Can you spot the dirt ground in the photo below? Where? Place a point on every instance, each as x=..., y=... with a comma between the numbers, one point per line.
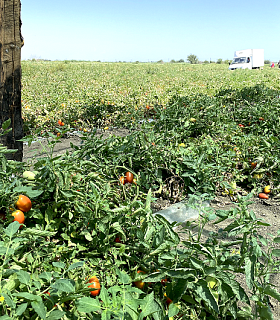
x=268, y=210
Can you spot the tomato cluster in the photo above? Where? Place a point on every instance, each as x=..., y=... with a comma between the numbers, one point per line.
x=128, y=178
x=23, y=204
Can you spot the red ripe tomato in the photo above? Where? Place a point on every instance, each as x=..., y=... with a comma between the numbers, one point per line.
x=18, y=216
x=163, y=281
x=95, y=284
x=241, y=125
x=261, y=118
x=23, y=203
x=263, y=196
x=129, y=177
x=118, y=240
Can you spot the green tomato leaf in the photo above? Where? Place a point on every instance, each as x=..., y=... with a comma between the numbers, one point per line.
x=88, y=305
x=124, y=278
x=28, y=296
x=149, y=306
x=75, y=265
x=5, y=318
x=55, y=315
x=64, y=285
x=272, y=292
x=21, y=308
x=6, y=124
x=39, y=309
x=46, y=275
x=276, y=252
x=9, y=301
x=173, y=310
x=205, y=294
x=23, y=277
x=12, y=229
x=28, y=191
x=60, y=265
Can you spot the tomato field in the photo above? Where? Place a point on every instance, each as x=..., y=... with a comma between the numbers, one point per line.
x=79, y=239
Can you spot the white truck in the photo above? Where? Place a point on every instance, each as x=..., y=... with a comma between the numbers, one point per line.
x=247, y=59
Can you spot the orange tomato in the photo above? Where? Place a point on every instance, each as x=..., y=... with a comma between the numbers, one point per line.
x=261, y=118
x=263, y=196
x=241, y=125
x=23, y=203
x=140, y=284
x=95, y=284
x=123, y=180
x=18, y=216
x=266, y=189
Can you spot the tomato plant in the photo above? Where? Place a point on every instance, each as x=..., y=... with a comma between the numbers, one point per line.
x=186, y=146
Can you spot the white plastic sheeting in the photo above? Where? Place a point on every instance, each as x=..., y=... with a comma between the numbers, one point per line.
x=181, y=212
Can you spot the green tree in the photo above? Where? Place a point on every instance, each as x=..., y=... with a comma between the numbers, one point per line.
x=192, y=58
x=219, y=61
x=267, y=61
x=181, y=60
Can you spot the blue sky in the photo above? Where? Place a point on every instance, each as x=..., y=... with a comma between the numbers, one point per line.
x=148, y=30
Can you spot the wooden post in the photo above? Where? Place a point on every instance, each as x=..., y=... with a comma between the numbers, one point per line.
x=11, y=42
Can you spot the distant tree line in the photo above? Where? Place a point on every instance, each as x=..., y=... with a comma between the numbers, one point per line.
x=193, y=59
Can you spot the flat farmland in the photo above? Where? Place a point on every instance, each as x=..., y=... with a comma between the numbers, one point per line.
x=150, y=134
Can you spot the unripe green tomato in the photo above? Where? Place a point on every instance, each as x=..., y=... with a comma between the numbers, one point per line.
x=29, y=175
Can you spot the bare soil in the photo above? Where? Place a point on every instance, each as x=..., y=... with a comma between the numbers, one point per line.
x=268, y=210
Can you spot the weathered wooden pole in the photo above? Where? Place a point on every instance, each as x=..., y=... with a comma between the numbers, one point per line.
x=11, y=42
